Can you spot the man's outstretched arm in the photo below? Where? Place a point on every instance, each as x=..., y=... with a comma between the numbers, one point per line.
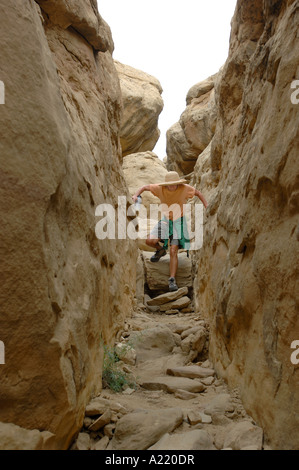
x=140, y=191
x=201, y=197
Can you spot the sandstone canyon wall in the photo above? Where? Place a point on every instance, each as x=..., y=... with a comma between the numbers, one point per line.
x=63, y=291
x=247, y=271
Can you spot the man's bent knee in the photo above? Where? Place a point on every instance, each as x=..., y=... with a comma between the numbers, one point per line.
x=151, y=241
x=174, y=250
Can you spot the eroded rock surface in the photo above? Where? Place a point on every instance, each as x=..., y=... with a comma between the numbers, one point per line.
x=63, y=289
x=169, y=407
x=246, y=275
x=142, y=105
x=187, y=138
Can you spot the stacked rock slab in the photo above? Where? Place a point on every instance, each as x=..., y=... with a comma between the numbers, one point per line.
x=171, y=302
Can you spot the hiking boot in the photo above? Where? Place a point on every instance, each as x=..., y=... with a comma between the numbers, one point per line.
x=172, y=284
x=159, y=253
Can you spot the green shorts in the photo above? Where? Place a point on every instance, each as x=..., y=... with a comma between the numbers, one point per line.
x=161, y=231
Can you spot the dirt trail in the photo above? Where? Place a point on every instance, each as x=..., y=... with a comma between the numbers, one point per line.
x=164, y=411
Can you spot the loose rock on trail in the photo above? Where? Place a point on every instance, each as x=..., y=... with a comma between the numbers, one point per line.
x=176, y=402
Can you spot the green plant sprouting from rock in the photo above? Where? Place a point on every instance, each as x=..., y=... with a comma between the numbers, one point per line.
x=113, y=376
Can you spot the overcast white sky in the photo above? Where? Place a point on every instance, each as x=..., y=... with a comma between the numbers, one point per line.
x=179, y=42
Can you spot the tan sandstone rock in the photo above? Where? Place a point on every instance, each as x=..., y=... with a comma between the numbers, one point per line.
x=190, y=331
x=171, y=312
x=102, y=443
x=126, y=353
x=83, y=442
x=100, y=422
x=192, y=134
x=172, y=384
x=142, y=105
x=97, y=406
x=157, y=274
x=194, y=343
x=176, y=304
x=152, y=343
x=191, y=371
x=184, y=394
x=168, y=297
x=180, y=156
x=190, y=440
x=244, y=434
x=247, y=279
x=200, y=89
x=194, y=417
x=14, y=437
x=82, y=16
x=63, y=289
x=222, y=403
x=141, y=429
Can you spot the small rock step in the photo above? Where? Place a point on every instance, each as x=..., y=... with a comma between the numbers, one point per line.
x=143, y=428
x=161, y=353
x=172, y=312
x=168, y=297
x=185, y=395
x=180, y=303
x=191, y=372
x=195, y=417
x=172, y=384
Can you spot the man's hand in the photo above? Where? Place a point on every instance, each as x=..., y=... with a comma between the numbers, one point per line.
x=140, y=191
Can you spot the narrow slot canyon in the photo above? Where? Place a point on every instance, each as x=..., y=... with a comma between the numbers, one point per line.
x=96, y=351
